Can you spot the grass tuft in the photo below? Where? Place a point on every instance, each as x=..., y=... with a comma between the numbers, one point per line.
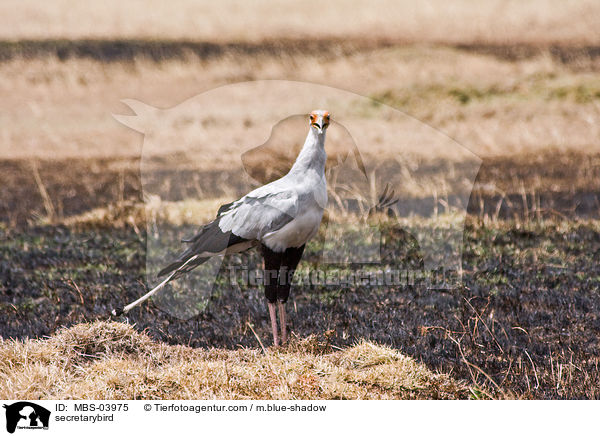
x=110, y=360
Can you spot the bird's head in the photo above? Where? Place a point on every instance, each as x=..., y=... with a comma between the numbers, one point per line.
x=319, y=120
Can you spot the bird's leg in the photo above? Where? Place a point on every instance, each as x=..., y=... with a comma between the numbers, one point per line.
x=272, y=262
x=281, y=305
x=290, y=260
x=274, y=323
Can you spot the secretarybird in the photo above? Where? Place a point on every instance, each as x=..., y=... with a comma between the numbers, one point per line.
x=279, y=217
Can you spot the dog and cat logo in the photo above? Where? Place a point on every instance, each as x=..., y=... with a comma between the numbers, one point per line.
x=26, y=415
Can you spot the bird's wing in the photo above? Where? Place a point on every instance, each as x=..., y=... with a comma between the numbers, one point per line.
x=263, y=210
x=260, y=212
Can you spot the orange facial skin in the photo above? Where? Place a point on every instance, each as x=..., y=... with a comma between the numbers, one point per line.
x=314, y=117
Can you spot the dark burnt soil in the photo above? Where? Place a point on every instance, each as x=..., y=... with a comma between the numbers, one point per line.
x=527, y=313
x=568, y=188
x=582, y=57
x=526, y=317
x=119, y=50
x=74, y=186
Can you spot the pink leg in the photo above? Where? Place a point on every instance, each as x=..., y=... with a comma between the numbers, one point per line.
x=273, y=323
x=282, y=321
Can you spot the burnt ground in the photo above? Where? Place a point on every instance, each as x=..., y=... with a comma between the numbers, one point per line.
x=524, y=321
x=527, y=313
x=569, y=186
x=579, y=57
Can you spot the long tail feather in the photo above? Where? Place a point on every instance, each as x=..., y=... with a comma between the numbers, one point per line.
x=154, y=290
x=209, y=241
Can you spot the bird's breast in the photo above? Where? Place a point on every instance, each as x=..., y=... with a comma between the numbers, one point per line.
x=297, y=232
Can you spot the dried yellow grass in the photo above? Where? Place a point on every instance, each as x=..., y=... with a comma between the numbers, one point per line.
x=136, y=214
x=109, y=360
x=53, y=109
x=532, y=21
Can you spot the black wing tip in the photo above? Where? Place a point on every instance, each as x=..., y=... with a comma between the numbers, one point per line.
x=166, y=270
x=224, y=208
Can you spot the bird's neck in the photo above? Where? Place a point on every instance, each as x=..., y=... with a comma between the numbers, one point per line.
x=312, y=156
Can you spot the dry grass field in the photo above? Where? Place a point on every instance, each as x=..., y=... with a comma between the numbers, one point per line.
x=535, y=21
x=515, y=84
x=114, y=361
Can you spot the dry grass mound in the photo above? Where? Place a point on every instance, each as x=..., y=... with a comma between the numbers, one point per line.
x=109, y=360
